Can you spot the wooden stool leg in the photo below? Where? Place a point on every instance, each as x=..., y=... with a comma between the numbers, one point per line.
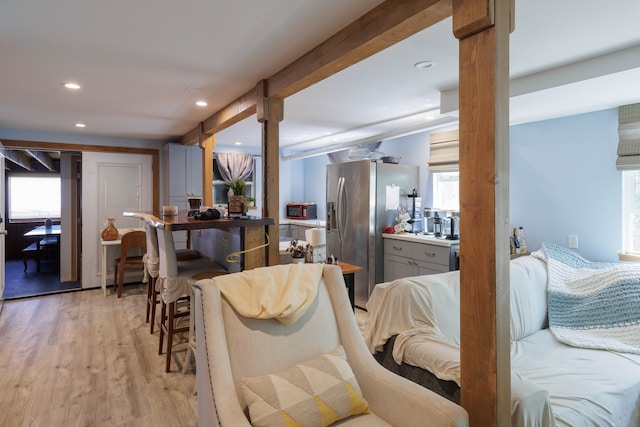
x=154, y=303
x=150, y=284
x=120, y=282
x=170, y=321
x=191, y=344
x=163, y=313
x=115, y=277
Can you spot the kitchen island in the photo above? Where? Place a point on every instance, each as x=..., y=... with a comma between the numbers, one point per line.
x=251, y=232
x=410, y=254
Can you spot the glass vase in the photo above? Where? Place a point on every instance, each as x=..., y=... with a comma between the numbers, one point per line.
x=110, y=232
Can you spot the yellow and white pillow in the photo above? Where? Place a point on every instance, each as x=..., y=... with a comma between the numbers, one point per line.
x=317, y=392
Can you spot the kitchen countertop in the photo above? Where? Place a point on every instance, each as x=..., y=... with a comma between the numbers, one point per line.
x=303, y=222
x=421, y=238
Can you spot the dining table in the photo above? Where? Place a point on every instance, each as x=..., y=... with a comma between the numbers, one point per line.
x=43, y=236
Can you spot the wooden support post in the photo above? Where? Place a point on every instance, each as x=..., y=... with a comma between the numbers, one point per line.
x=270, y=113
x=208, y=144
x=483, y=28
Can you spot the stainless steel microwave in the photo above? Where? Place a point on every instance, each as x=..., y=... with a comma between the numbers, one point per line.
x=302, y=211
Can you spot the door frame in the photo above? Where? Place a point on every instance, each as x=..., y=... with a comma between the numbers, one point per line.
x=3, y=231
x=58, y=146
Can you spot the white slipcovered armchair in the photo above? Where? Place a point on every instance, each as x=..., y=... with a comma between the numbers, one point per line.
x=232, y=347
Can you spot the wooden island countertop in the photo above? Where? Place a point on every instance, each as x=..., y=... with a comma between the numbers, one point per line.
x=184, y=222
x=253, y=231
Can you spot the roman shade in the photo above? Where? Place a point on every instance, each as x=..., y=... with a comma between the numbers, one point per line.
x=443, y=155
x=629, y=137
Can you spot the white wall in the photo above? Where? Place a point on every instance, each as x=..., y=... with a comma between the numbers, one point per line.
x=79, y=138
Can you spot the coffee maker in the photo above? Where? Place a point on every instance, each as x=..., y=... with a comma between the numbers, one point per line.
x=428, y=220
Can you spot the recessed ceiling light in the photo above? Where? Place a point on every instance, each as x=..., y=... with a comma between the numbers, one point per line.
x=429, y=118
x=424, y=65
x=201, y=103
x=80, y=125
x=237, y=143
x=70, y=85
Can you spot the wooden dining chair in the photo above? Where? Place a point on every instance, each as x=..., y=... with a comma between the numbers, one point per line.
x=129, y=241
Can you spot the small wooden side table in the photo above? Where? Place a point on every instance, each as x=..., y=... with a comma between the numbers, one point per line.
x=348, y=272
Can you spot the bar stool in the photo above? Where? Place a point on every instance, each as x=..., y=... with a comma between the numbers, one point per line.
x=152, y=262
x=174, y=282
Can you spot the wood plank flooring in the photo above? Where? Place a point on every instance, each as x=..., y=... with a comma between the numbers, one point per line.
x=82, y=359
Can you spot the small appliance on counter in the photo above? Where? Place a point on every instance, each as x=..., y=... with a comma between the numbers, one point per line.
x=428, y=220
x=302, y=211
x=452, y=226
x=414, y=210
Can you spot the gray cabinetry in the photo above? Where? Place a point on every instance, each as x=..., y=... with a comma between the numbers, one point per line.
x=404, y=259
x=184, y=174
x=182, y=178
x=295, y=231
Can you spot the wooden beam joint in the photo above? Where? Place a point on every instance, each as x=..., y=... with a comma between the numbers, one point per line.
x=268, y=109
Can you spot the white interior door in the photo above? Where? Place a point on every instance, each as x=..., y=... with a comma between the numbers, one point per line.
x=3, y=231
x=111, y=184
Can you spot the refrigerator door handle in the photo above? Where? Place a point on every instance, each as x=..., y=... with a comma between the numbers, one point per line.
x=341, y=209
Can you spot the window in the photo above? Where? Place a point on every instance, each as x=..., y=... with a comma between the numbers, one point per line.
x=446, y=190
x=631, y=212
x=34, y=196
x=220, y=189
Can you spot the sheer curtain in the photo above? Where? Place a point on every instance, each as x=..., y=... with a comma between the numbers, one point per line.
x=235, y=165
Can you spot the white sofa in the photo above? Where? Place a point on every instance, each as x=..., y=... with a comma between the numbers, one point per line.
x=552, y=383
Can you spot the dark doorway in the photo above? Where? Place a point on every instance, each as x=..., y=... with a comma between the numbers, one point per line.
x=30, y=272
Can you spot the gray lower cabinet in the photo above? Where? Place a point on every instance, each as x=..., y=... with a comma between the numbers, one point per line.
x=404, y=259
x=285, y=230
x=295, y=231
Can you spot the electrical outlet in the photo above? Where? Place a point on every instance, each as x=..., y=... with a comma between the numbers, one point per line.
x=573, y=241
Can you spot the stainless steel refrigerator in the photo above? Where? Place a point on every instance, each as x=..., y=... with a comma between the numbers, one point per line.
x=362, y=198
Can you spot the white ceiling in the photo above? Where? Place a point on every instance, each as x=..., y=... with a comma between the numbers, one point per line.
x=142, y=65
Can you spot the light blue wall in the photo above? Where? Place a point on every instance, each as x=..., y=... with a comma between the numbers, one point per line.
x=564, y=181
x=412, y=149
x=315, y=183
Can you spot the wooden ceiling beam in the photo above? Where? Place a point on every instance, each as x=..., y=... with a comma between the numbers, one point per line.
x=41, y=157
x=193, y=136
x=240, y=109
x=387, y=24
x=380, y=28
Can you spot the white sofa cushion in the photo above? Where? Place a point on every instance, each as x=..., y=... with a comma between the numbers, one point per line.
x=528, y=296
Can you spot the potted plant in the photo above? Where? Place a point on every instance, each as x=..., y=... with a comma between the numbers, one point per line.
x=298, y=251
x=237, y=193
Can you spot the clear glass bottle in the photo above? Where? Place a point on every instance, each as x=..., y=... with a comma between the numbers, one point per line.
x=523, y=243
x=516, y=242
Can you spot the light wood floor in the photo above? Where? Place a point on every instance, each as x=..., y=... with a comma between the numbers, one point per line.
x=82, y=359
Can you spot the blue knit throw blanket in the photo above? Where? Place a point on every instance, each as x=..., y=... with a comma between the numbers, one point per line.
x=592, y=304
